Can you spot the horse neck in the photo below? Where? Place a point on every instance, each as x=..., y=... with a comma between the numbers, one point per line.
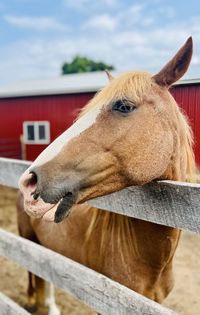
x=130, y=234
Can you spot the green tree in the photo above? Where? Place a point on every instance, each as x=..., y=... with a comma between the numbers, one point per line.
x=84, y=64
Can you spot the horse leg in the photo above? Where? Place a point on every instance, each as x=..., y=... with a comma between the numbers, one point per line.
x=25, y=230
x=40, y=292
x=50, y=300
x=31, y=305
x=41, y=296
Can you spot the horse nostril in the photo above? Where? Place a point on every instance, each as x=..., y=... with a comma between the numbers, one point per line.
x=28, y=181
x=33, y=180
x=28, y=184
x=33, y=184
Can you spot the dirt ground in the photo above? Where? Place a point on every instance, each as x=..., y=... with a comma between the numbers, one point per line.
x=185, y=297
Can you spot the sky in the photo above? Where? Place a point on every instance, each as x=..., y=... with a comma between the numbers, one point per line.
x=37, y=36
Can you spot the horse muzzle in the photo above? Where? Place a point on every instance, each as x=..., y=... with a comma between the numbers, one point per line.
x=42, y=200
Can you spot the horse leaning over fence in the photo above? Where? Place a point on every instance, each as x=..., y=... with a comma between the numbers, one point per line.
x=130, y=133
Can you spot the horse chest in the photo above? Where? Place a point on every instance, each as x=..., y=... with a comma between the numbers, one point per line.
x=132, y=252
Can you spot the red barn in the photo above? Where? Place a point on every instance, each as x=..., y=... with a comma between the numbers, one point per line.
x=187, y=95
x=38, y=111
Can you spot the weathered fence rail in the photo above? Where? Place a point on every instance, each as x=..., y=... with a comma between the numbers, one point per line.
x=169, y=203
x=97, y=291
x=9, y=307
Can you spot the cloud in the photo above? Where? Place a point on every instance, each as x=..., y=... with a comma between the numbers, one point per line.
x=35, y=23
x=91, y=5
x=102, y=22
x=136, y=15
x=127, y=17
x=38, y=58
x=130, y=39
x=168, y=11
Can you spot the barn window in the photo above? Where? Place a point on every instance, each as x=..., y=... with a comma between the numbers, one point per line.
x=36, y=132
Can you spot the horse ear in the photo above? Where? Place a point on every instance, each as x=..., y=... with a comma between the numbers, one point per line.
x=109, y=75
x=177, y=66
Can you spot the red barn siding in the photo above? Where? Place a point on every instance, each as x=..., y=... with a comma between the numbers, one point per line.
x=188, y=98
x=59, y=110
x=10, y=148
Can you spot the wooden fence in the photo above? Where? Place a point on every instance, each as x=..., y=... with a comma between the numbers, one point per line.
x=170, y=203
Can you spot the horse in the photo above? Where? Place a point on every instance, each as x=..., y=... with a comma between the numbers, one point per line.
x=131, y=133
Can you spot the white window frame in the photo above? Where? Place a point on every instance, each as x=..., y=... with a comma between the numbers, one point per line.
x=36, y=125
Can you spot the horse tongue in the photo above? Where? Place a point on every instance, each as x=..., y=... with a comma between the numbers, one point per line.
x=64, y=207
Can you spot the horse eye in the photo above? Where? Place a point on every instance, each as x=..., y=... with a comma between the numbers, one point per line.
x=123, y=106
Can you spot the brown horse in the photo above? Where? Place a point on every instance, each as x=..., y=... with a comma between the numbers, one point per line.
x=131, y=132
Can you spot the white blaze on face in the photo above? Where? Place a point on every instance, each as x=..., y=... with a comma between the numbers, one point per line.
x=56, y=146
x=39, y=208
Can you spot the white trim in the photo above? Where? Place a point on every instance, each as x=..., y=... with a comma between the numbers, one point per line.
x=36, y=125
x=187, y=82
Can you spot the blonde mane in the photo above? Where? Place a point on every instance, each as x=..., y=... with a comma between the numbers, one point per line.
x=183, y=160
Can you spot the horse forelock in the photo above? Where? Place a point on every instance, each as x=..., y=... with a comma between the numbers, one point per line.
x=130, y=85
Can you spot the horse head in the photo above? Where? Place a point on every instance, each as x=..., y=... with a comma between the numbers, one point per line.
x=130, y=133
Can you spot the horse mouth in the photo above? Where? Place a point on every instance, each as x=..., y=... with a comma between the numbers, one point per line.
x=43, y=205
x=53, y=212
x=62, y=202
x=64, y=206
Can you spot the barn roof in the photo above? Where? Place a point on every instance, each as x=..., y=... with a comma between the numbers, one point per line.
x=67, y=84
